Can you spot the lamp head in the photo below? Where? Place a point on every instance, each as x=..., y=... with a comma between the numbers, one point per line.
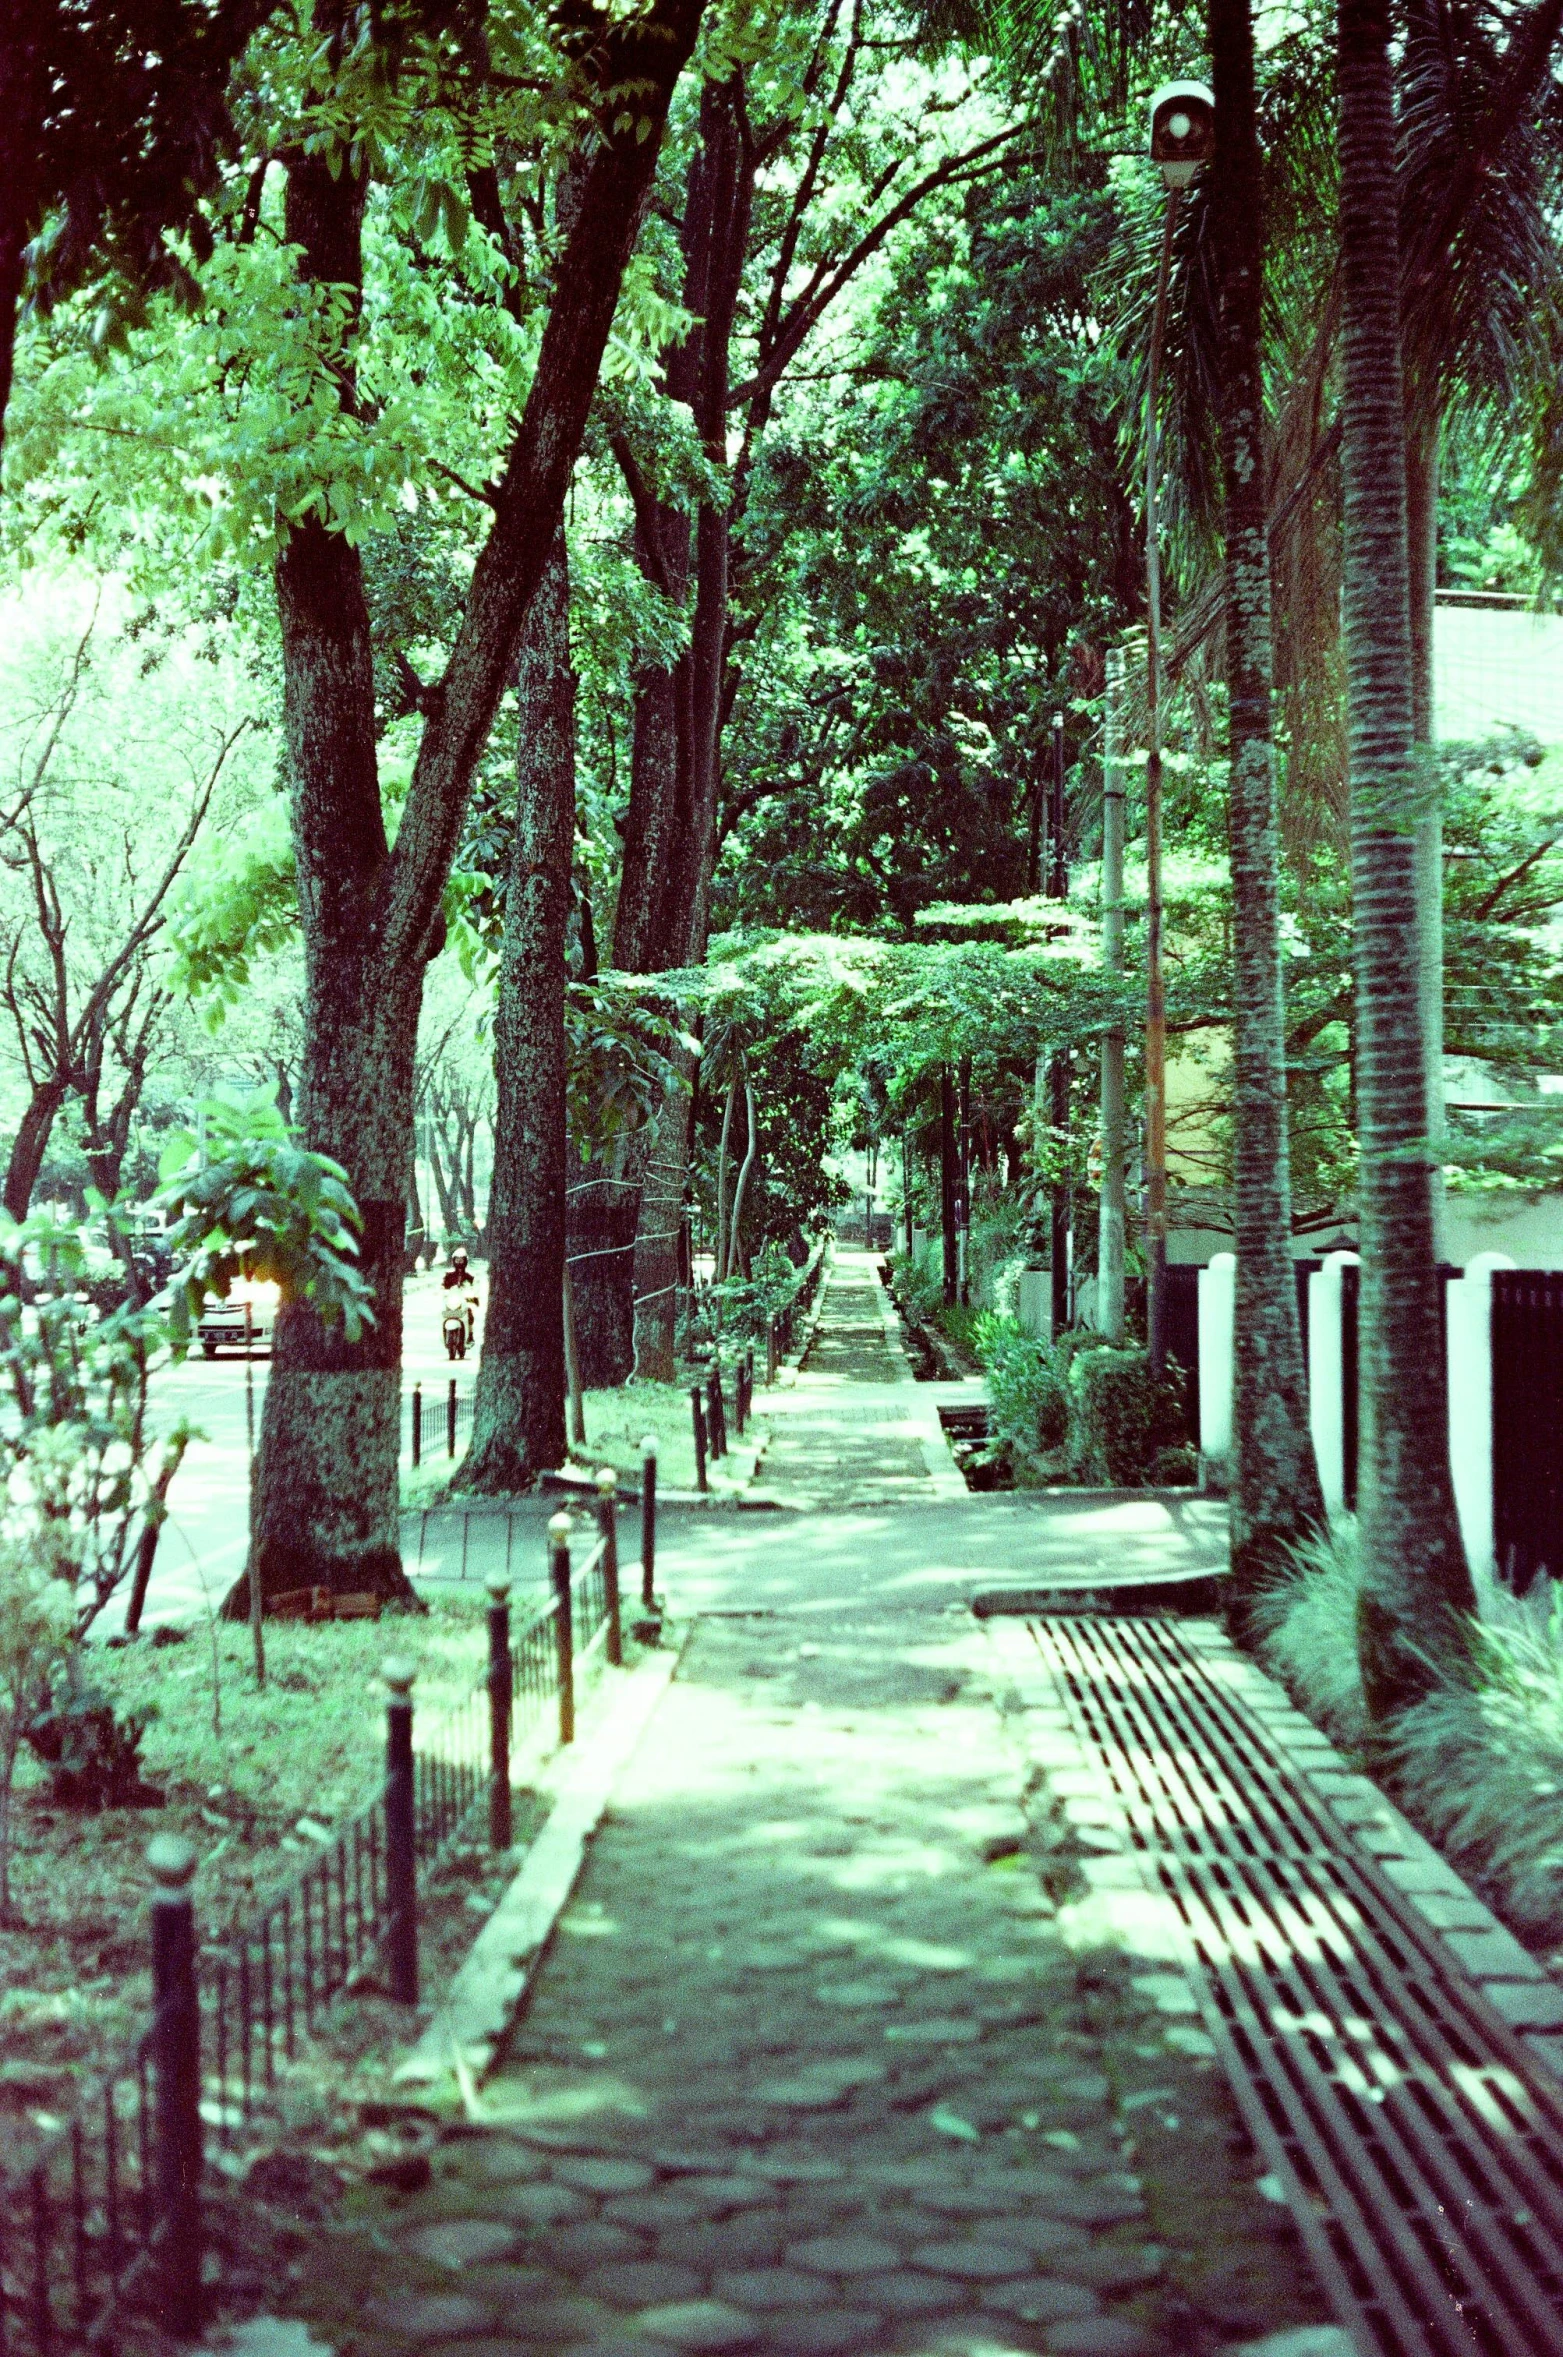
x=1183, y=130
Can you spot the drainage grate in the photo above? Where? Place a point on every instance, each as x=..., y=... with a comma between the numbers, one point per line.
x=1421, y=2147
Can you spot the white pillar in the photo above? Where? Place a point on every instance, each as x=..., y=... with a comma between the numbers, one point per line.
x=1470, y=1408
x=1032, y=1301
x=1217, y=1309
x=1326, y=1376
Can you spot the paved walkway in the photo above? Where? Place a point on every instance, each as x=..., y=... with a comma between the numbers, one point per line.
x=832, y=2050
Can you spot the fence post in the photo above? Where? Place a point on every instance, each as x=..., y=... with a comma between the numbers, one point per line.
x=716, y=1417
x=559, y=1529
x=417, y=1423
x=697, y=1411
x=501, y=1697
x=176, y=2047
x=401, y=1863
x=608, y=1524
x=648, y=1519
x=770, y=1354
x=450, y=1419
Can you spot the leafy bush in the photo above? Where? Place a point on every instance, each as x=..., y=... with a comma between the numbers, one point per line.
x=92, y=1753
x=1124, y=1427
x=35, y=1629
x=1030, y=1407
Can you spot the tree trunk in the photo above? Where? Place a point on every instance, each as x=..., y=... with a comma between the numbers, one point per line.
x=324, y=1505
x=723, y=1164
x=671, y=822
x=1416, y=1583
x=22, y=78
x=1422, y=433
x=737, y=1260
x=518, y=1412
x=1276, y=1498
x=947, y=1183
x=31, y=1144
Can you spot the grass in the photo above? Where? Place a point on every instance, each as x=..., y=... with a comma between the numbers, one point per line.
x=255, y=1778
x=1478, y=1764
x=616, y=1423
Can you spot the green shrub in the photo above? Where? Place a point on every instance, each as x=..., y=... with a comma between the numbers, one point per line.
x=1479, y=1763
x=92, y=1752
x=1124, y=1428
x=1030, y=1408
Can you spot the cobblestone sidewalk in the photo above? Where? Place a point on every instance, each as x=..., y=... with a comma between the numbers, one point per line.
x=827, y=2057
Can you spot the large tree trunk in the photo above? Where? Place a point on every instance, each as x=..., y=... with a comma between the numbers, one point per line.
x=518, y=1414
x=1422, y=431
x=325, y=1493
x=671, y=823
x=21, y=101
x=1416, y=1583
x=1276, y=1498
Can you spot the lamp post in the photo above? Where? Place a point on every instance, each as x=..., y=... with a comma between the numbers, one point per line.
x=1183, y=128
x=1058, y=1071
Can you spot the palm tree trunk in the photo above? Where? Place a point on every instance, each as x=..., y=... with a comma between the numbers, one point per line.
x=1422, y=431
x=1416, y=1583
x=518, y=1413
x=1276, y=1498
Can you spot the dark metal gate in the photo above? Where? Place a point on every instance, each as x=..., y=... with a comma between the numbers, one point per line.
x=1527, y=1423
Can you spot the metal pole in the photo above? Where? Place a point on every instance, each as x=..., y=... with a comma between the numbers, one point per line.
x=417, y=1423
x=1058, y=1073
x=906, y=1185
x=697, y=1410
x=648, y=1519
x=450, y=1419
x=252, y=1567
x=608, y=1524
x=963, y=1198
x=176, y=2051
x=1155, y=984
x=1110, y=1232
x=559, y=1529
x=501, y=1702
x=947, y=1183
x=716, y=1411
x=401, y=1858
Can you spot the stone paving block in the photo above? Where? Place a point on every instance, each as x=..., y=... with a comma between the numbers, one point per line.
x=593, y=2242
x=427, y=2315
x=1041, y=2299
x=1100, y=2336
x=842, y=2254
x=640, y=2283
x=604, y=2173
x=972, y=2259
x=459, y=2242
x=758, y=2288
x=908, y=2293
x=699, y=2324
x=813, y=2332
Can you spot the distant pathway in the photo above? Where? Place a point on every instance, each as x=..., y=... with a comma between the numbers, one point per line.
x=855, y=1429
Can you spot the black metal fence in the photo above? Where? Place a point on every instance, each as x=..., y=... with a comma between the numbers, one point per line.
x=1527, y=1424
x=99, y=2214
x=438, y=1425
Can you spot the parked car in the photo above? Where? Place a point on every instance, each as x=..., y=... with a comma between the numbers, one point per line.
x=223, y=1324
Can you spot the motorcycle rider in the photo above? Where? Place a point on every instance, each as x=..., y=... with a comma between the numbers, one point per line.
x=458, y=1279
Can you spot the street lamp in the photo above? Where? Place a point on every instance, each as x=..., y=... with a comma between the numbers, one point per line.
x=1183, y=133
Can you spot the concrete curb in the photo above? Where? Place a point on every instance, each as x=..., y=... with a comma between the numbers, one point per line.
x=491, y=1986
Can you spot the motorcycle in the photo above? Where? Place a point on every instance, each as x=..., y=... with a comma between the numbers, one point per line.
x=458, y=1326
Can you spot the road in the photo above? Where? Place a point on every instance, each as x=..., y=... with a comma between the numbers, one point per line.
x=203, y=1544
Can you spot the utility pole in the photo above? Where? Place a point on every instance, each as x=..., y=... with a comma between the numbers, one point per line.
x=963, y=1204
x=1034, y=836
x=1058, y=1070
x=1110, y=1231
x=1182, y=138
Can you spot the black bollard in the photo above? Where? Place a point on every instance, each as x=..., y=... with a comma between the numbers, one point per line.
x=648, y=1520
x=559, y=1529
x=608, y=1525
x=176, y=2051
x=401, y=1859
x=501, y=1701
